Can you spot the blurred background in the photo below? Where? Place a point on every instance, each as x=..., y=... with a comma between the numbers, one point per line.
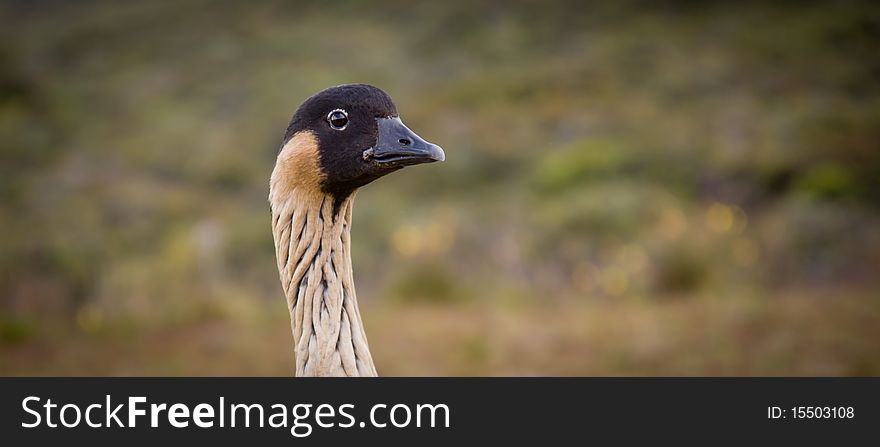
x=643, y=188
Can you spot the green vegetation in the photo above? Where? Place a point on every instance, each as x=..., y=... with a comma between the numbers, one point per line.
x=634, y=188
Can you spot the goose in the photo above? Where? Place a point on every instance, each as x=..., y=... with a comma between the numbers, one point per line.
x=339, y=140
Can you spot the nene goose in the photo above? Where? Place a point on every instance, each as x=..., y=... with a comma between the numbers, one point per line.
x=337, y=141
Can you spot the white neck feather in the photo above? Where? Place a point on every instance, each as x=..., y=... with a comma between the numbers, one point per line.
x=314, y=262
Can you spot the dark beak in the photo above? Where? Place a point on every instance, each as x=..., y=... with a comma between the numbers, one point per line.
x=399, y=146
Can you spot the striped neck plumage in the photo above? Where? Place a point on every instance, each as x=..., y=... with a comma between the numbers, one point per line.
x=313, y=248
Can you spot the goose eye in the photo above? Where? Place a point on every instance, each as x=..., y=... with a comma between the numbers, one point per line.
x=338, y=119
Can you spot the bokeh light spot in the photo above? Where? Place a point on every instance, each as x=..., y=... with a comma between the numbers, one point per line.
x=615, y=281
x=406, y=241
x=719, y=218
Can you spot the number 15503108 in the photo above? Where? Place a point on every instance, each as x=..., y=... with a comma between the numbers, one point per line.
x=809, y=412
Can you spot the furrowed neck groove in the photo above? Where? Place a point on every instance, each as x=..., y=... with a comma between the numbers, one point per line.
x=312, y=238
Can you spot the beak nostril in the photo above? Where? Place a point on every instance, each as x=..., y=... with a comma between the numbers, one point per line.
x=404, y=141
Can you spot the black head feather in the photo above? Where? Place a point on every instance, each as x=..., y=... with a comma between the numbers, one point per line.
x=372, y=142
x=341, y=152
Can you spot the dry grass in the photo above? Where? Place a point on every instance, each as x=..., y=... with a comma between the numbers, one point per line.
x=831, y=333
